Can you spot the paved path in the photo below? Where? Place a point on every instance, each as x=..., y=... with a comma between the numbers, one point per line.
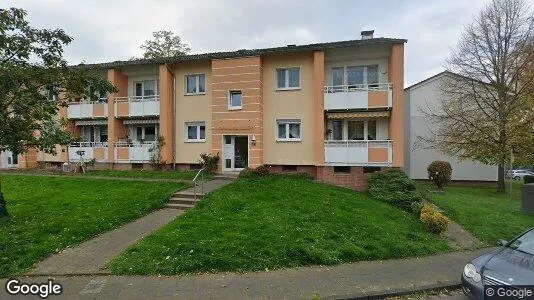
x=92, y=256
x=344, y=281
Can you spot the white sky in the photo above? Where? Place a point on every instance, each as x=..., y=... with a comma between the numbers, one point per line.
x=109, y=30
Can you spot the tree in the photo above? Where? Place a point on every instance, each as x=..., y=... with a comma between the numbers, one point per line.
x=486, y=108
x=164, y=44
x=35, y=81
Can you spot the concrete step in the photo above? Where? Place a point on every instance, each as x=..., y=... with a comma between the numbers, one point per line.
x=226, y=176
x=187, y=195
x=179, y=206
x=187, y=201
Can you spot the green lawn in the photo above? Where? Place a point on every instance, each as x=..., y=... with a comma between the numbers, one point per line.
x=50, y=213
x=181, y=175
x=275, y=222
x=489, y=215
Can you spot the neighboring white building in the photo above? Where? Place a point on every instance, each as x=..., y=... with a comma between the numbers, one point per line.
x=418, y=98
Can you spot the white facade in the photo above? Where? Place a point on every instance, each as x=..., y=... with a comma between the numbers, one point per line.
x=418, y=98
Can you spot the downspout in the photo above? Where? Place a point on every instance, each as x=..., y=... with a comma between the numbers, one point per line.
x=173, y=116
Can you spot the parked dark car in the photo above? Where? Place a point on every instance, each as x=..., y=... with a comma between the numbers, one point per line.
x=510, y=265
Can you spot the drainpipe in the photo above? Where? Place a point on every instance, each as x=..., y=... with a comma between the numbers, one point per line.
x=173, y=116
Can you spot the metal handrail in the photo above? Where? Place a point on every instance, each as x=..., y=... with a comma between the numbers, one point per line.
x=102, y=100
x=89, y=144
x=201, y=173
x=137, y=98
x=379, y=86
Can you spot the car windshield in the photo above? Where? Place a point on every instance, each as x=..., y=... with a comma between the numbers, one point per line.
x=524, y=243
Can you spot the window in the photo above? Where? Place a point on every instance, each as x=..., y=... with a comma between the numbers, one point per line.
x=195, y=132
x=337, y=130
x=146, y=133
x=356, y=130
x=288, y=130
x=355, y=76
x=367, y=170
x=146, y=88
x=195, y=84
x=371, y=130
x=288, y=78
x=342, y=169
x=52, y=93
x=289, y=168
x=235, y=100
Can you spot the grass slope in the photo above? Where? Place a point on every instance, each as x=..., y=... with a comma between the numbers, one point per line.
x=275, y=222
x=50, y=213
x=489, y=215
x=152, y=174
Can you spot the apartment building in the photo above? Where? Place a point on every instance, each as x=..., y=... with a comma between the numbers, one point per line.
x=426, y=96
x=334, y=110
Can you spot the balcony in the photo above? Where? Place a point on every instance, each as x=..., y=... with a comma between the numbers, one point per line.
x=358, y=153
x=133, y=152
x=87, y=109
x=92, y=150
x=137, y=106
x=359, y=96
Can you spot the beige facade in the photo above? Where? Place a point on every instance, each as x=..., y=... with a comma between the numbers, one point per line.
x=314, y=108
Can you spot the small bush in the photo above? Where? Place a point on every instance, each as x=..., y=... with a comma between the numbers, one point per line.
x=209, y=161
x=260, y=171
x=395, y=188
x=528, y=179
x=417, y=207
x=440, y=173
x=435, y=221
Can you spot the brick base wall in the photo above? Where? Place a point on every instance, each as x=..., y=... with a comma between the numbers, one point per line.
x=356, y=179
x=311, y=170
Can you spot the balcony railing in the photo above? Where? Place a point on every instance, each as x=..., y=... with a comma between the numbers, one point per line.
x=358, y=153
x=358, y=96
x=134, y=152
x=137, y=106
x=87, y=109
x=92, y=150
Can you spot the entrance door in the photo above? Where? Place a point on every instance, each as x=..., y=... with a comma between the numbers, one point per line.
x=235, y=153
x=9, y=160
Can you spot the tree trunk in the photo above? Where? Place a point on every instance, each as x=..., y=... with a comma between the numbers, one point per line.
x=500, y=179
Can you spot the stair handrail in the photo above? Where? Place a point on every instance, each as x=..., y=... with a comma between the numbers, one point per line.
x=195, y=181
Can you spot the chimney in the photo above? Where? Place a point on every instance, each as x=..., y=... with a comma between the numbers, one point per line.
x=367, y=34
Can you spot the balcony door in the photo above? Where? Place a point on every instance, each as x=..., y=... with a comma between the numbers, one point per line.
x=146, y=89
x=235, y=152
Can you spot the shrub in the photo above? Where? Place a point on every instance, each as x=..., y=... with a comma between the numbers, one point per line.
x=156, y=161
x=440, y=173
x=395, y=188
x=209, y=161
x=528, y=179
x=260, y=171
x=435, y=221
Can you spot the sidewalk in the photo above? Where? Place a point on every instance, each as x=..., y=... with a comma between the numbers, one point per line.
x=363, y=279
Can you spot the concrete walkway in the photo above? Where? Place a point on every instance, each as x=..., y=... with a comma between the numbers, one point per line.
x=92, y=256
x=66, y=175
x=364, y=279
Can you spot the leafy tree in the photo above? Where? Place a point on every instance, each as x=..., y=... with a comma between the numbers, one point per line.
x=164, y=44
x=486, y=110
x=35, y=81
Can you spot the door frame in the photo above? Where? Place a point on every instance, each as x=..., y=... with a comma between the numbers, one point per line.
x=7, y=157
x=223, y=162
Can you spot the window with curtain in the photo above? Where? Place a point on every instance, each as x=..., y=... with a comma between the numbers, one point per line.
x=337, y=130
x=354, y=75
x=356, y=130
x=195, y=131
x=372, y=76
x=288, y=78
x=235, y=100
x=150, y=133
x=288, y=130
x=149, y=88
x=371, y=130
x=195, y=84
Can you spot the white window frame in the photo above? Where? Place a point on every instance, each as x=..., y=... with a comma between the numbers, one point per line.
x=143, y=128
x=197, y=84
x=230, y=106
x=142, y=82
x=346, y=74
x=287, y=122
x=345, y=129
x=286, y=85
x=197, y=125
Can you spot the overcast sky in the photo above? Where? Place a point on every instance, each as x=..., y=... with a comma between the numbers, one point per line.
x=108, y=30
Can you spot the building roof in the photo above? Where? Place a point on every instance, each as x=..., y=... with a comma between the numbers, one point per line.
x=446, y=72
x=245, y=52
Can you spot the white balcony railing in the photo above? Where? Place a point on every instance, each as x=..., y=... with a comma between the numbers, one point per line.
x=92, y=150
x=359, y=153
x=133, y=152
x=358, y=96
x=87, y=109
x=137, y=106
